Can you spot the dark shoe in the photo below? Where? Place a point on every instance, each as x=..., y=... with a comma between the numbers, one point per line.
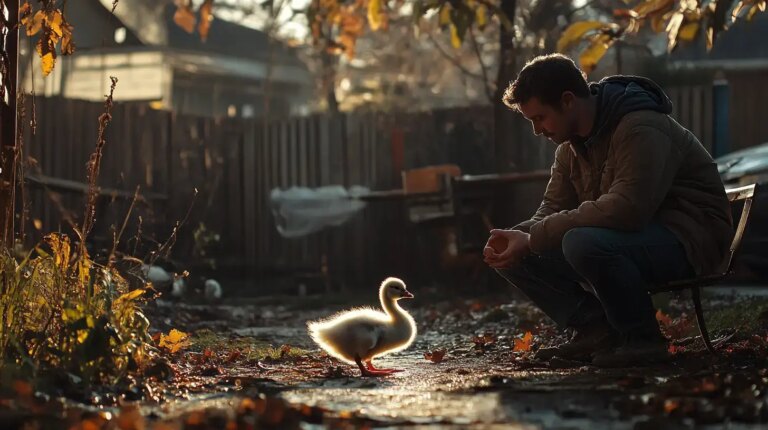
x=637, y=350
x=586, y=340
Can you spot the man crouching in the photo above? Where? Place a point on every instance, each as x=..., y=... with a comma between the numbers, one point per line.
x=633, y=200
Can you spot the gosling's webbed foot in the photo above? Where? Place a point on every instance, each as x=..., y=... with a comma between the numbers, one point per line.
x=373, y=373
x=369, y=369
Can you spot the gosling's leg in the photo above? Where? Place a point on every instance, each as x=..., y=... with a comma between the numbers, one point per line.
x=368, y=371
x=370, y=366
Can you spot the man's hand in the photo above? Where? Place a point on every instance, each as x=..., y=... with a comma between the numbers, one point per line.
x=506, y=247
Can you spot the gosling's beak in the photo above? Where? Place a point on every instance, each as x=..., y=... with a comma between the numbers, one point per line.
x=407, y=295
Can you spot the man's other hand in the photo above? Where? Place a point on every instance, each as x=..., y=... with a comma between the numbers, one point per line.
x=506, y=247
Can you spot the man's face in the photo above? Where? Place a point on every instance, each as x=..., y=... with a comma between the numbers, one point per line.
x=556, y=124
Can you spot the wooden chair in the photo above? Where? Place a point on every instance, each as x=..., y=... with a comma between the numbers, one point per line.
x=735, y=195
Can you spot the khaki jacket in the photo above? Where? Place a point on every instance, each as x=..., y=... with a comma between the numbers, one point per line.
x=649, y=168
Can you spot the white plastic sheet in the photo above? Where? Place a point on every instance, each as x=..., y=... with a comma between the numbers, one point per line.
x=299, y=211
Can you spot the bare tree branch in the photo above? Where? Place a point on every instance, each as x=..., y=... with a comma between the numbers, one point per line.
x=452, y=59
x=489, y=91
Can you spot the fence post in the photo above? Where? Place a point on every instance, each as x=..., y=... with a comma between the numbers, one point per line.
x=720, y=118
x=8, y=125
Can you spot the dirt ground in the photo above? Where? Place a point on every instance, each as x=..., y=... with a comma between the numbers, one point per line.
x=251, y=364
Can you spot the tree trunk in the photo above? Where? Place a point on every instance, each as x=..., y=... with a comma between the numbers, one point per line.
x=8, y=125
x=508, y=153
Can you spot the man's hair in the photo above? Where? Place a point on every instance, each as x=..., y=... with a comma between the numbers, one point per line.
x=546, y=77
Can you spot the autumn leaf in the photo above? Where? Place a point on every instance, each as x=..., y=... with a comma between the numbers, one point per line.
x=35, y=23
x=663, y=318
x=576, y=32
x=594, y=52
x=688, y=31
x=184, y=18
x=22, y=388
x=374, y=14
x=659, y=22
x=481, y=16
x=653, y=6
x=625, y=13
x=174, y=341
x=206, y=16
x=25, y=14
x=38, y=224
x=760, y=6
x=352, y=24
x=672, y=29
x=455, y=39
x=60, y=248
x=524, y=344
x=233, y=356
x=54, y=20
x=347, y=43
x=435, y=356
x=285, y=350
x=67, y=44
x=484, y=340
x=445, y=14
x=129, y=296
x=129, y=417
x=670, y=405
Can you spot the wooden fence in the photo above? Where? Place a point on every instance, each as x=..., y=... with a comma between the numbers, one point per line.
x=234, y=164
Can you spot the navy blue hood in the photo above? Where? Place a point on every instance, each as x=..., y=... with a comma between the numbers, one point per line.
x=620, y=95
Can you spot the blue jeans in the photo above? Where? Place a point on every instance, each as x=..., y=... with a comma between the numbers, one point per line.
x=602, y=273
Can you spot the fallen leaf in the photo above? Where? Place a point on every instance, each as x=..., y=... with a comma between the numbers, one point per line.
x=22, y=388
x=195, y=419
x=233, y=355
x=130, y=418
x=663, y=318
x=285, y=350
x=476, y=306
x=484, y=340
x=524, y=344
x=174, y=341
x=670, y=405
x=435, y=356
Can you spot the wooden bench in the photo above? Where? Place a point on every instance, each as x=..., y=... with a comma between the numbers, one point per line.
x=744, y=194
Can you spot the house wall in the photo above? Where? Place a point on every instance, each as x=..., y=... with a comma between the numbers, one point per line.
x=206, y=95
x=142, y=75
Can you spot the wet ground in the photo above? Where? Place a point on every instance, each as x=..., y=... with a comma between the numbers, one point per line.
x=251, y=364
x=487, y=377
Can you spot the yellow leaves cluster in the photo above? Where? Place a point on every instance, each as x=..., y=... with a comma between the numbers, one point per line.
x=346, y=20
x=53, y=28
x=683, y=22
x=337, y=24
x=751, y=6
x=600, y=36
x=185, y=18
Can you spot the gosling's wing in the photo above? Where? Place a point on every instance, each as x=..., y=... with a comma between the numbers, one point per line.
x=366, y=334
